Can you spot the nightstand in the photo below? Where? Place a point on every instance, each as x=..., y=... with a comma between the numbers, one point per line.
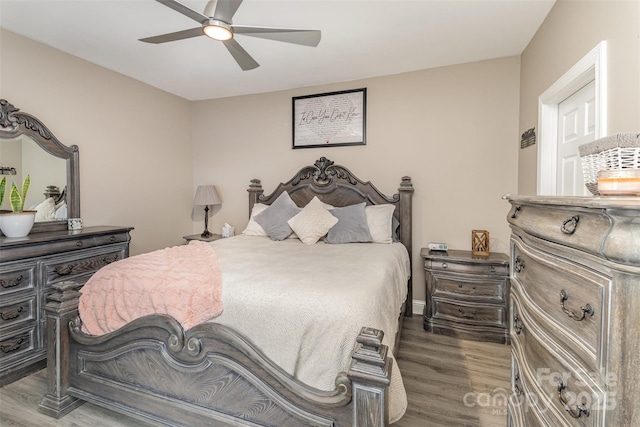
x=199, y=237
x=467, y=295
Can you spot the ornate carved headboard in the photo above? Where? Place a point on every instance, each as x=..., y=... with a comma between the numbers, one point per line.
x=337, y=186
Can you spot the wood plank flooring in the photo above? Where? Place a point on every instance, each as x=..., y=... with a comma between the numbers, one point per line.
x=449, y=382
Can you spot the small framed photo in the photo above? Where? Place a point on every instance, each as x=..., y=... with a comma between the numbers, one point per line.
x=330, y=119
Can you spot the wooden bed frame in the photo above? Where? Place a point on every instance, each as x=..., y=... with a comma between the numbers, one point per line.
x=154, y=370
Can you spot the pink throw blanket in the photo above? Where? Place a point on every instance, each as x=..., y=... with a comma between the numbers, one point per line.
x=183, y=282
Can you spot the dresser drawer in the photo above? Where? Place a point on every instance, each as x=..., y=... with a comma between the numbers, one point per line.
x=469, y=287
x=572, y=300
x=475, y=314
x=80, y=268
x=17, y=277
x=562, y=393
x=578, y=228
x=18, y=343
x=16, y=312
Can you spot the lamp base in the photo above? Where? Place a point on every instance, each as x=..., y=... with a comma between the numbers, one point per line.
x=206, y=233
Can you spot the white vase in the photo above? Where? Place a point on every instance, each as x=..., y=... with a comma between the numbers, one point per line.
x=17, y=224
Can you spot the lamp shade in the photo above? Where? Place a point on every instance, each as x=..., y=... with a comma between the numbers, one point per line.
x=207, y=195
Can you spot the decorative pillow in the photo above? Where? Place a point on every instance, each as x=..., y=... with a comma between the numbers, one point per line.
x=274, y=218
x=351, y=227
x=46, y=210
x=379, y=220
x=253, y=228
x=312, y=222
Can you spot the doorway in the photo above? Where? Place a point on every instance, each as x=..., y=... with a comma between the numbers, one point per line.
x=554, y=176
x=576, y=126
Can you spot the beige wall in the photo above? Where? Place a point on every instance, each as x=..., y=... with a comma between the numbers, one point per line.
x=569, y=32
x=454, y=130
x=134, y=140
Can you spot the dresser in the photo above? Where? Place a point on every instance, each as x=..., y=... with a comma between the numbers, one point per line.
x=575, y=311
x=28, y=268
x=467, y=295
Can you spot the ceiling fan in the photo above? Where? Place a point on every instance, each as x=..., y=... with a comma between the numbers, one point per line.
x=216, y=23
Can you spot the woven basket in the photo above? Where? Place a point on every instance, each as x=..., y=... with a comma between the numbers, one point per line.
x=619, y=151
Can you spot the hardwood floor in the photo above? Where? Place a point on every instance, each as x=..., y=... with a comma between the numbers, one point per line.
x=449, y=382
x=452, y=382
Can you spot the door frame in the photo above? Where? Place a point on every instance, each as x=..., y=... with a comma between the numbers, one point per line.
x=593, y=66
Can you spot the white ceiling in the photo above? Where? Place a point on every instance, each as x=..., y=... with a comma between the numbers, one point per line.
x=360, y=39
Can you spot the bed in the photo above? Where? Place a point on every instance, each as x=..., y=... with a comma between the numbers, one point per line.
x=227, y=371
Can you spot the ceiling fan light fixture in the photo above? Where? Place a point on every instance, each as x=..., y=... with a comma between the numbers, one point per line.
x=218, y=30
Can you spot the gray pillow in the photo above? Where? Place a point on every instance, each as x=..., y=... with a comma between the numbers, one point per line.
x=351, y=227
x=274, y=218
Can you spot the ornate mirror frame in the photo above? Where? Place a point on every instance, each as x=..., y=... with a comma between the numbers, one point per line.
x=13, y=124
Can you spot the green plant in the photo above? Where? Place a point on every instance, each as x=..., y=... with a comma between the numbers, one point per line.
x=3, y=186
x=16, y=197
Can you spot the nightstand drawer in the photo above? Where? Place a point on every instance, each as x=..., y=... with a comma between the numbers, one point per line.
x=467, y=313
x=469, y=287
x=16, y=312
x=467, y=268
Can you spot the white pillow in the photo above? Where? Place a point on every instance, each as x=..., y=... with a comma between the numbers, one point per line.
x=379, y=220
x=253, y=228
x=312, y=222
x=46, y=210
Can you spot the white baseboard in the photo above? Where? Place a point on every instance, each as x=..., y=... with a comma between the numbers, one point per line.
x=418, y=307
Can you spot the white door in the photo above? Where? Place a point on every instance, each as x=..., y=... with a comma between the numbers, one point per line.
x=576, y=126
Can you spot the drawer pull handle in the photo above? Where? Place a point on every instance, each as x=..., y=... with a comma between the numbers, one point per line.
x=109, y=260
x=465, y=315
x=445, y=265
x=516, y=212
x=112, y=239
x=79, y=243
x=492, y=270
x=12, y=346
x=11, y=284
x=517, y=324
x=63, y=270
x=585, y=309
x=580, y=409
x=11, y=314
x=519, y=264
x=516, y=385
x=570, y=225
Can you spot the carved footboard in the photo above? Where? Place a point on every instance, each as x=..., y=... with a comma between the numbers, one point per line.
x=154, y=370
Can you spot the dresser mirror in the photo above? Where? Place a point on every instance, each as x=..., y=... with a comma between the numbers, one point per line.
x=27, y=147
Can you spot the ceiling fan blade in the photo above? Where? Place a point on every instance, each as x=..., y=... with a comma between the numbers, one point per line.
x=288, y=35
x=178, y=35
x=244, y=60
x=186, y=11
x=222, y=10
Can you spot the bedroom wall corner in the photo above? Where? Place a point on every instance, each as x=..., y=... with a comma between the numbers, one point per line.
x=570, y=31
x=134, y=140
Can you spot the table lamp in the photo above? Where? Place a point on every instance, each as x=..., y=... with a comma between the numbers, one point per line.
x=206, y=195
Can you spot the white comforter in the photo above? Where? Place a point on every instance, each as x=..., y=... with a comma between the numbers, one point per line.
x=304, y=305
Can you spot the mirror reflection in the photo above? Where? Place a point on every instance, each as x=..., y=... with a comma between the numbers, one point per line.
x=22, y=156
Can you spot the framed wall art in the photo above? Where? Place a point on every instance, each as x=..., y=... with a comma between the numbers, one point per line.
x=330, y=119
